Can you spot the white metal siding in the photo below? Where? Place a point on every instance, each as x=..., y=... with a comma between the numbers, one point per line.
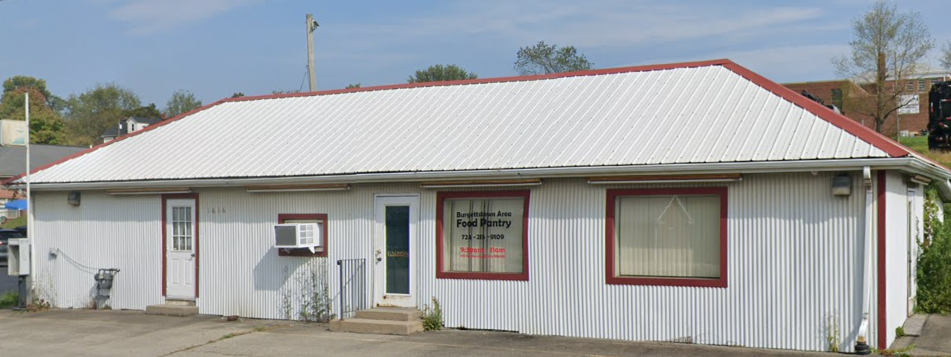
x=795, y=260
x=794, y=255
x=684, y=115
x=104, y=232
x=896, y=254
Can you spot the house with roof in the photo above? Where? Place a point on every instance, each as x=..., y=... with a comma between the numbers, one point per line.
x=13, y=163
x=127, y=126
x=693, y=202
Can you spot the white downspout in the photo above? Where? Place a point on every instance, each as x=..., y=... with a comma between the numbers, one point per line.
x=861, y=344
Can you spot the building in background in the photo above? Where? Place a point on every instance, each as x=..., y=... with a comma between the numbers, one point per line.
x=854, y=98
x=127, y=126
x=13, y=163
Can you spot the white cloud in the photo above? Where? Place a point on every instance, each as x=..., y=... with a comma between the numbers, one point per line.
x=151, y=16
x=608, y=23
x=640, y=29
x=794, y=63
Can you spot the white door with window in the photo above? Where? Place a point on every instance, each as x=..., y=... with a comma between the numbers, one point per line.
x=180, y=249
x=394, y=239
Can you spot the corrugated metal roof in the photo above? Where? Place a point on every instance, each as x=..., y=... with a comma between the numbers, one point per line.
x=695, y=113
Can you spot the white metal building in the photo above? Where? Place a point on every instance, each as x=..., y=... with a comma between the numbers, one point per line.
x=688, y=201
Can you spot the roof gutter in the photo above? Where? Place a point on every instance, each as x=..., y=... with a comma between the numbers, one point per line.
x=907, y=164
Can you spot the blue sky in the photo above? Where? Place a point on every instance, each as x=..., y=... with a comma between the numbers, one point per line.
x=217, y=47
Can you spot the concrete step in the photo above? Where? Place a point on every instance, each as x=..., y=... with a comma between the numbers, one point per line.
x=914, y=324
x=380, y=327
x=389, y=313
x=180, y=302
x=171, y=310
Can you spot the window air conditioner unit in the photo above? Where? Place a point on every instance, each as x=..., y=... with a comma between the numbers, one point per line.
x=298, y=235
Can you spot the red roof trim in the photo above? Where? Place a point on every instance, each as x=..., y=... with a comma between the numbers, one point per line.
x=853, y=127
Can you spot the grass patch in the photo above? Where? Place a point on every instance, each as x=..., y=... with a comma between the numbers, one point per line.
x=9, y=300
x=13, y=223
x=920, y=144
x=917, y=143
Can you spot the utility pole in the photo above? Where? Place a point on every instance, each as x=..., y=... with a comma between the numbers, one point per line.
x=311, y=26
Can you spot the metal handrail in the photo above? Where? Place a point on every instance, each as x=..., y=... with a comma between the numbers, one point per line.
x=354, y=270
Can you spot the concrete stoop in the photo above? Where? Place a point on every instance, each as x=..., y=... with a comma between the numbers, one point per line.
x=381, y=321
x=914, y=324
x=173, y=308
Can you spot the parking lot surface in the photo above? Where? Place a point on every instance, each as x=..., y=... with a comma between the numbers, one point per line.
x=132, y=333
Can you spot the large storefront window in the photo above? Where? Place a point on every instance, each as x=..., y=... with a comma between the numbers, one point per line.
x=482, y=235
x=667, y=236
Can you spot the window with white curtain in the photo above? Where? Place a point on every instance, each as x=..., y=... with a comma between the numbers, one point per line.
x=482, y=235
x=667, y=236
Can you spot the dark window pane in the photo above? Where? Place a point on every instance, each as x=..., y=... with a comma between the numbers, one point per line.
x=397, y=249
x=837, y=98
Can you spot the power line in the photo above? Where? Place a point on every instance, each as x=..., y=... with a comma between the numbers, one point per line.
x=299, y=88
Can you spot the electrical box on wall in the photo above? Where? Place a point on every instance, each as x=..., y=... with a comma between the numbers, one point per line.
x=18, y=256
x=298, y=235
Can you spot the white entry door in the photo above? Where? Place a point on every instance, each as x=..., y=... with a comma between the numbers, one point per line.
x=394, y=240
x=180, y=249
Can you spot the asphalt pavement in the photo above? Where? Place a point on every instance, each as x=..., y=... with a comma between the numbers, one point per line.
x=132, y=333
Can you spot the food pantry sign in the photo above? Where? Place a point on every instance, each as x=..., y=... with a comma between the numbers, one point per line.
x=481, y=235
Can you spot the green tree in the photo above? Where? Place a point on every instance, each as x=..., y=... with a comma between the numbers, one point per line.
x=353, y=85
x=887, y=50
x=946, y=56
x=543, y=58
x=237, y=95
x=46, y=125
x=438, y=73
x=181, y=102
x=17, y=82
x=89, y=114
x=148, y=111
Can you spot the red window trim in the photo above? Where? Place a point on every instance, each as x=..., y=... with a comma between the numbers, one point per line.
x=441, y=198
x=165, y=198
x=303, y=252
x=612, y=278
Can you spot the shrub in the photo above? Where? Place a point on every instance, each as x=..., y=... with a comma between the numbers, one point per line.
x=315, y=300
x=432, y=316
x=934, y=260
x=9, y=299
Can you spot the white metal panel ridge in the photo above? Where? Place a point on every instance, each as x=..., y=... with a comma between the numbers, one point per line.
x=693, y=113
